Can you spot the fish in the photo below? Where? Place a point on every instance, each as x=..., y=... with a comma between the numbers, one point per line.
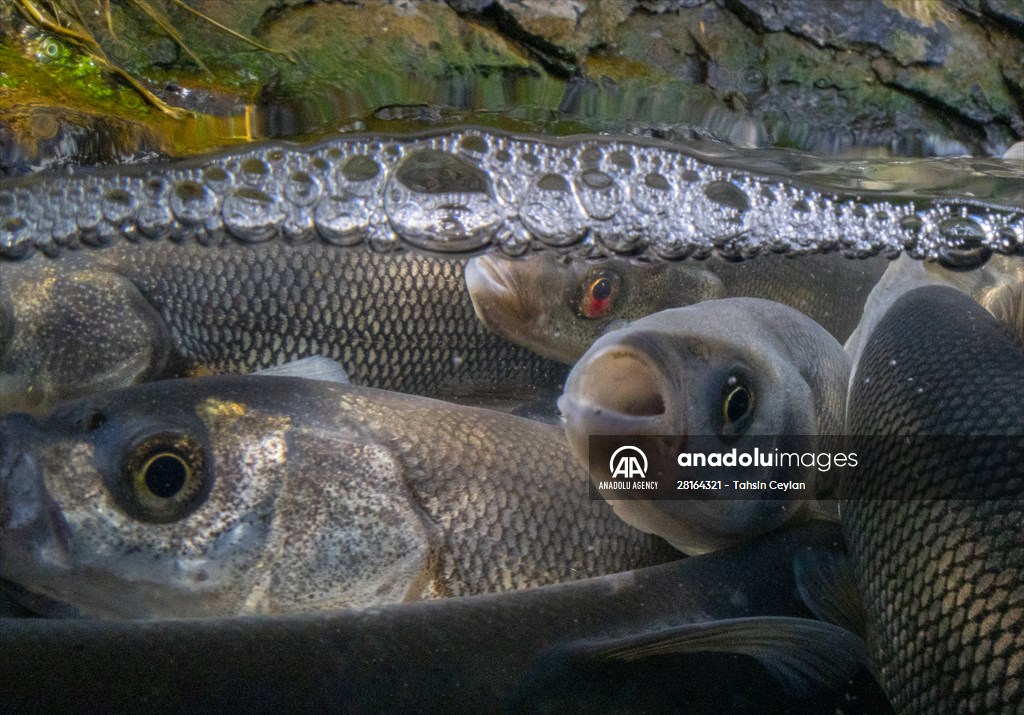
x=735, y=373
x=934, y=517
x=997, y=286
x=99, y=320
x=576, y=647
x=472, y=189
x=558, y=306
x=242, y=494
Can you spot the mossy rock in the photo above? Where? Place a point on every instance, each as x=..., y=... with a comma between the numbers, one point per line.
x=844, y=77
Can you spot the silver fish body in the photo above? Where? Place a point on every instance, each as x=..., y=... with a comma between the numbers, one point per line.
x=737, y=373
x=104, y=319
x=934, y=519
x=470, y=189
x=520, y=652
x=257, y=494
x=559, y=305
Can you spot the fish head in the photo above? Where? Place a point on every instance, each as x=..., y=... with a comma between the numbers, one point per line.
x=68, y=331
x=559, y=305
x=738, y=373
x=183, y=499
x=113, y=506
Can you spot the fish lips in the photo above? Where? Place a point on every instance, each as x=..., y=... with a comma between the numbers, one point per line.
x=492, y=291
x=507, y=307
x=615, y=392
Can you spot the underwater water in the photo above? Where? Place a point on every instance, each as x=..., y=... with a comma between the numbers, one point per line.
x=355, y=250
x=293, y=541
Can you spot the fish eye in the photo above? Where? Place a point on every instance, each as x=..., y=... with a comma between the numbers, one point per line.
x=165, y=474
x=737, y=406
x=164, y=478
x=599, y=292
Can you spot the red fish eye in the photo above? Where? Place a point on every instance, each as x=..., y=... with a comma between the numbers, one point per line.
x=598, y=298
x=601, y=289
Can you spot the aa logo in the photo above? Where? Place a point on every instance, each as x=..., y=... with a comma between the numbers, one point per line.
x=628, y=462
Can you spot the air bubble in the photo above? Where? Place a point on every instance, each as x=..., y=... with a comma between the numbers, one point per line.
x=590, y=157
x=623, y=160
x=15, y=237
x=727, y=194
x=155, y=186
x=514, y=240
x=192, y=203
x=474, y=146
x=530, y=163
x=621, y=236
x=964, y=244
x=382, y=240
x=299, y=227
x=1010, y=239
x=911, y=222
x=599, y=194
x=363, y=175
x=218, y=179
x=438, y=201
x=550, y=212
x=653, y=194
x=252, y=215
x=672, y=245
x=301, y=189
x=360, y=168
x=118, y=206
x=63, y=230
x=436, y=172
x=154, y=218
x=254, y=170
x=342, y=220
x=390, y=154
x=88, y=216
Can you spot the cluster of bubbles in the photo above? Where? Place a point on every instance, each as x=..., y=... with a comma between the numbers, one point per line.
x=463, y=191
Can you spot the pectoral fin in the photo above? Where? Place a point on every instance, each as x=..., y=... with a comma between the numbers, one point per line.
x=802, y=654
x=315, y=367
x=827, y=585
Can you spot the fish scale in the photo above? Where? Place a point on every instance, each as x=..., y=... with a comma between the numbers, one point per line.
x=318, y=496
x=940, y=560
x=401, y=321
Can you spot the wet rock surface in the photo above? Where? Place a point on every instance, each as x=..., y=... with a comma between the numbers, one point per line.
x=860, y=77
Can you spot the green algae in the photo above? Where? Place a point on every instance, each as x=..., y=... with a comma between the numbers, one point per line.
x=412, y=65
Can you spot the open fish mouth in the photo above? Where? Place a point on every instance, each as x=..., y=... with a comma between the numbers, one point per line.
x=618, y=390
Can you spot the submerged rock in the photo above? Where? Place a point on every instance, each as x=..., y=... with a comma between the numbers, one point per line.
x=920, y=79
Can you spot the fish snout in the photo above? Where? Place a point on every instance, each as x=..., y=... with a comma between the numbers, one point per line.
x=28, y=516
x=617, y=391
x=19, y=472
x=491, y=289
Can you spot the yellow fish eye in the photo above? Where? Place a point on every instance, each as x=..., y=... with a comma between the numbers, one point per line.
x=164, y=478
x=737, y=407
x=164, y=475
